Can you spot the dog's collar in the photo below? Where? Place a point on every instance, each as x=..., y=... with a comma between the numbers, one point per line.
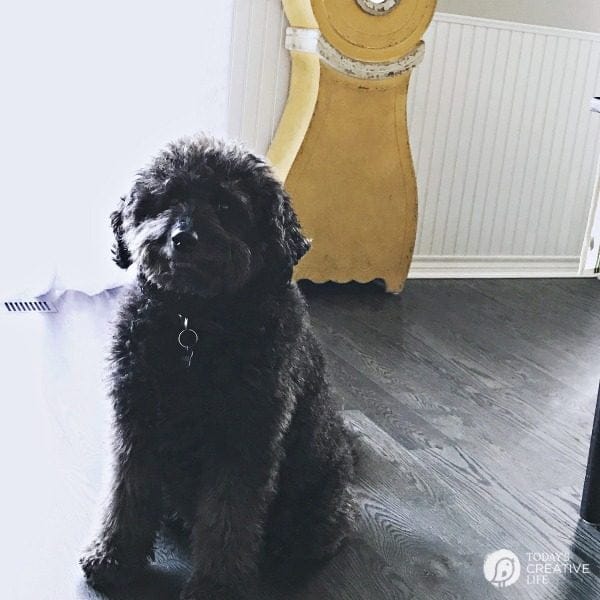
x=210, y=314
x=181, y=301
x=182, y=309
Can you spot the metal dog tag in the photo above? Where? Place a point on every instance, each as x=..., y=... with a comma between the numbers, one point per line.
x=187, y=339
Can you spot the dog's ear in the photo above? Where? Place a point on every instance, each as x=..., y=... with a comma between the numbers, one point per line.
x=288, y=245
x=120, y=252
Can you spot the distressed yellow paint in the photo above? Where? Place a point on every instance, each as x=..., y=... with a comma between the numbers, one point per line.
x=342, y=146
x=297, y=114
x=299, y=13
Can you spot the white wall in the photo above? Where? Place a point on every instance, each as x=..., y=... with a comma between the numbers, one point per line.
x=505, y=147
x=90, y=90
x=582, y=15
x=260, y=71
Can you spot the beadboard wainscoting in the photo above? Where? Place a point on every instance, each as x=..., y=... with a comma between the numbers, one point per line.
x=504, y=144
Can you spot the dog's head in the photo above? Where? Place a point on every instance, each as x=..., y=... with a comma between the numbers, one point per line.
x=206, y=218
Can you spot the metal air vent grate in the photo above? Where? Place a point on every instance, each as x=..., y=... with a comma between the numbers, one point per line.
x=29, y=306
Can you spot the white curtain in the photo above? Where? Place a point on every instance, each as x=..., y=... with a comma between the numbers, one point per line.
x=90, y=90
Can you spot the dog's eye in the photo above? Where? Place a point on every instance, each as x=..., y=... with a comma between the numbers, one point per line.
x=223, y=205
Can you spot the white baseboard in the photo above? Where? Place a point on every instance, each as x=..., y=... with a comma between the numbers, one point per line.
x=465, y=267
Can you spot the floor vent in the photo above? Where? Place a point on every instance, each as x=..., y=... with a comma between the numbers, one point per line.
x=25, y=306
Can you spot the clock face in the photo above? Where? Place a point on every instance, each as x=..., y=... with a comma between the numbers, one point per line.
x=373, y=30
x=377, y=7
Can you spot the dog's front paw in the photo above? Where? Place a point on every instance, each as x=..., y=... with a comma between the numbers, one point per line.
x=103, y=568
x=206, y=589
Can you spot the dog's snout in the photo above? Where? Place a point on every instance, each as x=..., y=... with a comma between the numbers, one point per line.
x=184, y=240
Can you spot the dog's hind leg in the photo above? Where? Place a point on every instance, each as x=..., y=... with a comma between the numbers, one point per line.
x=308, y=525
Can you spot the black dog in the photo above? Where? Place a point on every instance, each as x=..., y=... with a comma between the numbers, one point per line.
x=223, y=416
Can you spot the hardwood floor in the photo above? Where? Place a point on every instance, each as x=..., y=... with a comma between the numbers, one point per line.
x=473, y=401
x=480, y=398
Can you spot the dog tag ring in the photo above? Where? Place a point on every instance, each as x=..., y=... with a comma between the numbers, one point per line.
x=187, y=339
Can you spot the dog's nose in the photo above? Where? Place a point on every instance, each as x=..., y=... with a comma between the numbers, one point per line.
x=184, y=240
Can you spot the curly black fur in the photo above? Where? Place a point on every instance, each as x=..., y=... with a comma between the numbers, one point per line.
x=120, y=252
x=243, y=446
